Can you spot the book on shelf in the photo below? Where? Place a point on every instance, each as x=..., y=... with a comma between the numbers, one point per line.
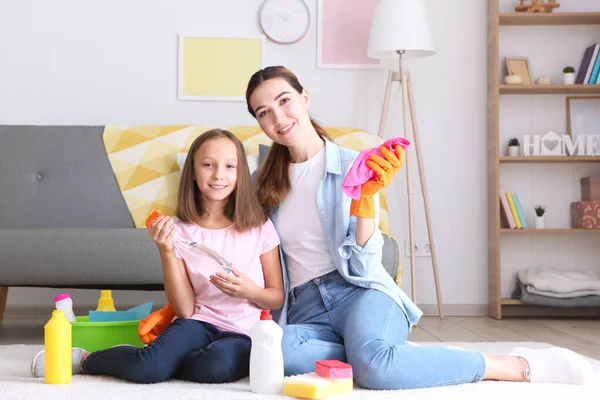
x=505, y=211
x=511, y=211
x=594, y=77
x=590, y=66
x=519, y=211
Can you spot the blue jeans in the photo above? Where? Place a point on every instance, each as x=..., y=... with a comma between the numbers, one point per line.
x=331, y=319
x=188, y=350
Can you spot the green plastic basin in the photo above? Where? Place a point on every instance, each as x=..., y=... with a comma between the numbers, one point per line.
x=93, y=336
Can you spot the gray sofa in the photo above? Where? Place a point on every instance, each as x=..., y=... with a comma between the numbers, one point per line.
x=63, y=220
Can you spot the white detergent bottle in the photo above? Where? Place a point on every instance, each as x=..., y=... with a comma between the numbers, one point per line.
x=63, y=302
x=266, y=356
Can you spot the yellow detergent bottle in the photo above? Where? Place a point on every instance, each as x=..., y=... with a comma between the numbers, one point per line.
x=106, y=303
x=57, y=346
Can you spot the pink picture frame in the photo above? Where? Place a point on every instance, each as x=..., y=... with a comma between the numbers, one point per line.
x=343, y=28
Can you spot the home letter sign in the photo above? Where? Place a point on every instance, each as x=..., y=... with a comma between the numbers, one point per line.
x=552, y=144
x=573, y=149
x=531, y=145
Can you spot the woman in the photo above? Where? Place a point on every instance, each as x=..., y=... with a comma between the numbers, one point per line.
x=340, y=303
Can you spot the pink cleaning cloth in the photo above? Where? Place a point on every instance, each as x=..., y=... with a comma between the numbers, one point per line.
x=360, y=172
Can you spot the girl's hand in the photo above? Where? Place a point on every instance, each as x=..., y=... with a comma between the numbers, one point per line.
x=235, y=284
x=161, y=232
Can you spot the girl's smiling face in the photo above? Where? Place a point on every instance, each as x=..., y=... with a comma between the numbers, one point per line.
x=215, y=169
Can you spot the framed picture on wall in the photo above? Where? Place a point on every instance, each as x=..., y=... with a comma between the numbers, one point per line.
x=343, y=28
x=583, y=116
x=218, y=68
x=519, y=66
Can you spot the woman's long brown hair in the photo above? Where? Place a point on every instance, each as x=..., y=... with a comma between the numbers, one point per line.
x=273, y=180
x=243, y=207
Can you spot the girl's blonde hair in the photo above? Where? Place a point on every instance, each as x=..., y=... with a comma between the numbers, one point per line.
x=273, y=180
x=243, y=207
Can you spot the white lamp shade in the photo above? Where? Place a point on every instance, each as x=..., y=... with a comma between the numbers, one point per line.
x=400, y=25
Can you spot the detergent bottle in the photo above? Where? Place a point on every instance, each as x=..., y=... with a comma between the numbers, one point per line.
x=106, y=302
x=266, y=356
x=63, y=302
x=57, y=346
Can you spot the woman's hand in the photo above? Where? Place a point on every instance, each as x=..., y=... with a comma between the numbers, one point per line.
x=235, y=284
x=161, y=232
x=384, y=169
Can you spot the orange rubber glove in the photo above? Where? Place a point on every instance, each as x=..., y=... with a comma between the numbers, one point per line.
x=154, y=324
x=384, y=169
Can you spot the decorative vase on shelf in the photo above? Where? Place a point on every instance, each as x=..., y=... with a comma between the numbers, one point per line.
x=513, y=151
x=539, y=219
x=513, y=145
x=568, y=75
x=540, y=222
x=569, y=79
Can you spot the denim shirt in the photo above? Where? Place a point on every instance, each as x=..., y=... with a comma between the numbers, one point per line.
x=360, y=266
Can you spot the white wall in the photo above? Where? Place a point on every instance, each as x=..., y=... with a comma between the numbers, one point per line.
x=94, y=63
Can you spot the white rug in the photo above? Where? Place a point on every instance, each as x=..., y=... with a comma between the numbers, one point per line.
x=16, y=383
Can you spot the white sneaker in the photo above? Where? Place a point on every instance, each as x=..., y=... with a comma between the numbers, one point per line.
x=39, y=361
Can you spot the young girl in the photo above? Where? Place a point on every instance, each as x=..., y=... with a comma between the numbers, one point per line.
x=340, y=302
x=208, y=340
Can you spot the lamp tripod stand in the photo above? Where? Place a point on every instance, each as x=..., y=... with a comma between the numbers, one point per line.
x=408, y=109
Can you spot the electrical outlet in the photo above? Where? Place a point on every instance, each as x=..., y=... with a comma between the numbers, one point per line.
x=422, y=248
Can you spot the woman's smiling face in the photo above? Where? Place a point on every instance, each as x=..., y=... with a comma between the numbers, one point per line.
x=281, y=111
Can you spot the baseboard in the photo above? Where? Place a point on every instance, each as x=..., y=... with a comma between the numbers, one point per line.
x=456, y=310
x=429, y=310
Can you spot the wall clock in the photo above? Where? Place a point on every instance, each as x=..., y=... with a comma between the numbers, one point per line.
x=285, y=21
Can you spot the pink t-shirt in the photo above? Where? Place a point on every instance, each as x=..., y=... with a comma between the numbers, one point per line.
x=243, y=250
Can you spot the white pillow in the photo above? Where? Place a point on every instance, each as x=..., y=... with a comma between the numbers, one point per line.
x=252, y=161
x=180, y=159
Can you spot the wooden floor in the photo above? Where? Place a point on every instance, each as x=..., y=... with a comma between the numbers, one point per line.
x=580, y=335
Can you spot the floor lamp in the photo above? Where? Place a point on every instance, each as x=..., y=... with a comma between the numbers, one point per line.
x=400, y=30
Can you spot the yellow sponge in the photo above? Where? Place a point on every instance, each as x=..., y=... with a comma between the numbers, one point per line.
x=312, y=386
